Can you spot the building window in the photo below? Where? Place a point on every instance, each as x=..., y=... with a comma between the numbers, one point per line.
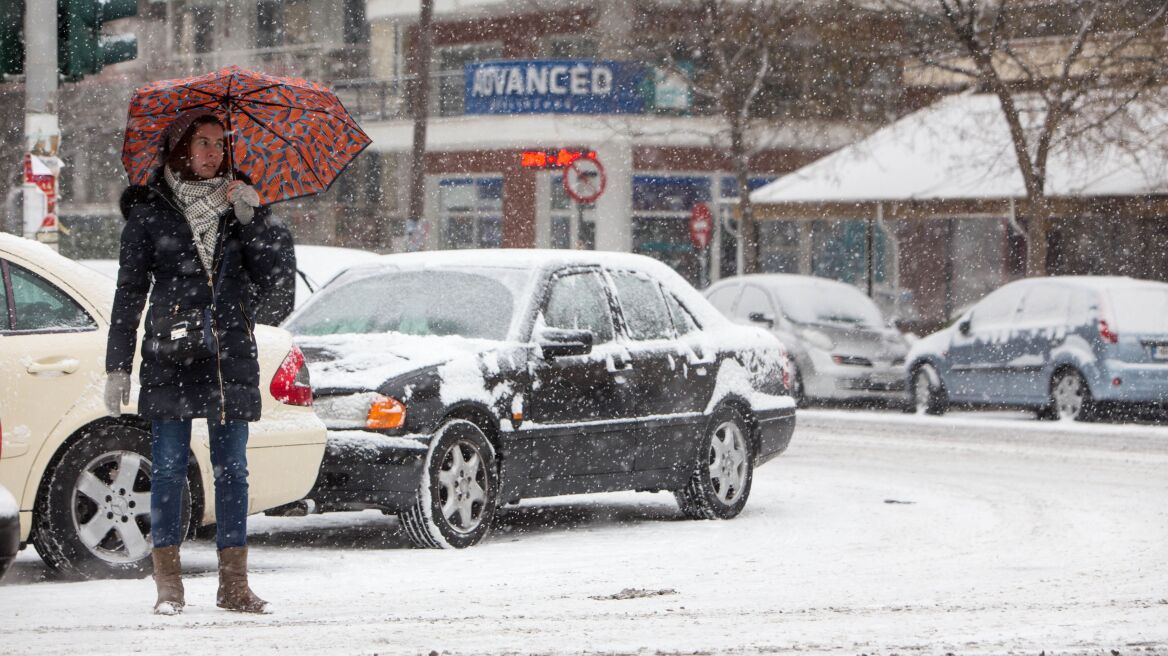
x=356, y=27
x=449, y=76
x=572, y=47
x=203, y=32
x=471, y=209
x=269, y=23
x=661, y=209
x=563, y=212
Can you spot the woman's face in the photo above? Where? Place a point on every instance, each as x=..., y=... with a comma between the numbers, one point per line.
x=207, y=150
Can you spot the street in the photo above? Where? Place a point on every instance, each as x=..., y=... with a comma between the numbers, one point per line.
x=876, y=533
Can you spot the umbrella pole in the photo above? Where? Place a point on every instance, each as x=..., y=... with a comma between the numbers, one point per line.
x=230, y=148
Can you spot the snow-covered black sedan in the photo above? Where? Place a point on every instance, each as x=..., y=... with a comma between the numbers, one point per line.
x=454, y=382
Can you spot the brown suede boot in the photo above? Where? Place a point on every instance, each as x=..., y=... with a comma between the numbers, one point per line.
x=234, y=593
x=168, y=580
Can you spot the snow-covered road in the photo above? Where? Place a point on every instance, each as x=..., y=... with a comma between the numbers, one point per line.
x=876, y=533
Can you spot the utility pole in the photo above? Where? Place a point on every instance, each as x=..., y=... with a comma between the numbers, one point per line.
x=420, y=105
x=41, y=127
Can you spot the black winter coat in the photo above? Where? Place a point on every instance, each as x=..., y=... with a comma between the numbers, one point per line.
x=158, y=258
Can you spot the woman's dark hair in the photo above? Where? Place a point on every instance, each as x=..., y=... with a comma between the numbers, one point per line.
x=179, y=157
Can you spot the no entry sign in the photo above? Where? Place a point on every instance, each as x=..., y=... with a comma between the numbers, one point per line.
x=701, y=224
x=584, y=180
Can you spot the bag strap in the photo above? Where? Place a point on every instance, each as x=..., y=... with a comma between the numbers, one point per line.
x=222, y=259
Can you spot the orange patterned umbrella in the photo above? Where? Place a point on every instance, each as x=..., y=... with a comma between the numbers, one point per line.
x=292, y=137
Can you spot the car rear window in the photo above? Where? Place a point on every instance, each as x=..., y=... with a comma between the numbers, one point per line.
x=1140, y=309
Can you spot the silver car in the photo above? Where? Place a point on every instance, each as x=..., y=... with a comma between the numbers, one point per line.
x=840, y=344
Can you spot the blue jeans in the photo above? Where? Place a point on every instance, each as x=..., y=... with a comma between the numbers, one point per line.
x=171, y=445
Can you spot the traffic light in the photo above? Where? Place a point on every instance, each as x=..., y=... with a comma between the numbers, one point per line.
x=81, y=47
x=11, y=37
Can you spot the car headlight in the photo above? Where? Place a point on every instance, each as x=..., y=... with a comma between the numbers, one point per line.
x=817, y=339
x=366, y=410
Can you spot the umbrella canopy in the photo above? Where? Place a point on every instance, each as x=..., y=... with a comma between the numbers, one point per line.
x=292, y=137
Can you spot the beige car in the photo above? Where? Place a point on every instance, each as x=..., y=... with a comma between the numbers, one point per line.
x=82, y=478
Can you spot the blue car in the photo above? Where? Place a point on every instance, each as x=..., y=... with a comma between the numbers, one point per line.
x=1065, y=347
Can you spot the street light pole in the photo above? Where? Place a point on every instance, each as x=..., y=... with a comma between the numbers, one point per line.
x=420, y=101
x=41, y=127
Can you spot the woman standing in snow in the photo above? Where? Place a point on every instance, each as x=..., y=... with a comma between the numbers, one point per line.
x=195, y=237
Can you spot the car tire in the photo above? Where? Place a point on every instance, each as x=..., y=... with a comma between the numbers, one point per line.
x=93, y=517
x=1070, y=397
x=723, y=471
x=456, y=503
x=928, y=394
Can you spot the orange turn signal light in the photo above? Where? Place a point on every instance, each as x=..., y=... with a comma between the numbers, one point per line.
x=386, y=413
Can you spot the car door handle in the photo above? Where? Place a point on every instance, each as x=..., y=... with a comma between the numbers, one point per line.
x=613, y=366
x=54, y=366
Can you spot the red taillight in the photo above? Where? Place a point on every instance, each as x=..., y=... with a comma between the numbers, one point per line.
x=290, y=384
x=786, y=372
x=1107, y=333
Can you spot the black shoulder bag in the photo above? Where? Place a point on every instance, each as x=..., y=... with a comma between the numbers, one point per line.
x=187, y=334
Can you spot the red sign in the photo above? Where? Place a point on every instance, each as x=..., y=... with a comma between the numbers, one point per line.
x=36, y=173
x=538, y=159
x=584, y=180
x=701, y=225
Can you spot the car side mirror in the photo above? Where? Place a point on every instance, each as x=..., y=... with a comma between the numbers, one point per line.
x=963, y=326
x=561, y=342
x=761, y=317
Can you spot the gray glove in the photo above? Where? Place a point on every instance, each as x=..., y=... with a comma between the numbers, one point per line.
x=244, y=199
x=244, y=212
x=117, y=392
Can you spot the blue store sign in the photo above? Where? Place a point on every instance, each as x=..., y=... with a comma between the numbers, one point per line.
x=555, y=86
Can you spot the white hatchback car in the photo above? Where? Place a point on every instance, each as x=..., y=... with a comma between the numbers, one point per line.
x=82, y=478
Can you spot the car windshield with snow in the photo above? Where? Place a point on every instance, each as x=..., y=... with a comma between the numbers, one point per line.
x=455, y=382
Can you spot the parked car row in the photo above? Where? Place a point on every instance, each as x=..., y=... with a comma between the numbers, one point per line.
x=1064, y=346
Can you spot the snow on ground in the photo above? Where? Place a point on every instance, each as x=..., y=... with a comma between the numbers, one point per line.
x=874, y=534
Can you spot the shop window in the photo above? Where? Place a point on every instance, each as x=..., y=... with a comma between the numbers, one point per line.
x=472, y=211
x=778, y=246
x=563, y=212
x=840, y=251
x=661, y=211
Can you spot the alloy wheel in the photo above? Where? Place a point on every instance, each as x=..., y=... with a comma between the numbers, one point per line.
x=728, y=466
x=462, y=481
x=1068, y=396
x=111, y=506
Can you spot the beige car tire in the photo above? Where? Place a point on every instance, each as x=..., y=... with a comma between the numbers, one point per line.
x=92, y=520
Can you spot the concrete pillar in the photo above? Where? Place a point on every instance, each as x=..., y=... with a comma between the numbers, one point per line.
x=543, y=210
x=519, y=208
x=614, y=26
x=614, y=208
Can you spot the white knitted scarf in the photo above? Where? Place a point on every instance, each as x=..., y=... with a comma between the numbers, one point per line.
x=202, y=203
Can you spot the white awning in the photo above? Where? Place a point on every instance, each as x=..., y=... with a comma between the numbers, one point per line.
x=960, y=148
